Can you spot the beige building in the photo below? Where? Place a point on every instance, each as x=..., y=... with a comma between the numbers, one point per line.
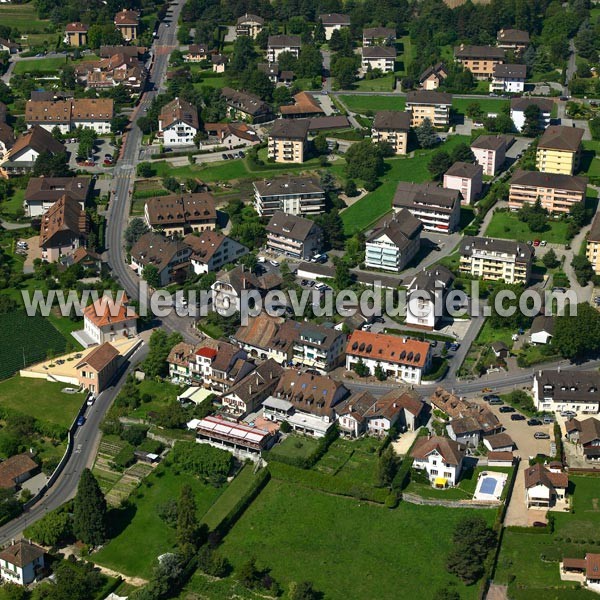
x=249, y=25
x=76, y=34
x=480, y=60
x=592, y=251
x=127, y=22
x=490, y=152
x=392, y=126
x=287, y=140
x=467, y=178
x=559, y=150
x=98, y=368
x=431, y=78
x=434, y=106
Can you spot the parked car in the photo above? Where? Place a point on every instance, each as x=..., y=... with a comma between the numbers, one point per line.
x=548, y=419
x=539, y=524
x=274, y=263
x=506, y=409
x=536, y=243
x=517, y=417
x=490, y=397
x=241, y=154
x=80, y=420
x=534, y=423
x=454, y=347
x=569, y=414
x=224, y=156
x=543, y=243
x=496, y=402
x=540, y=435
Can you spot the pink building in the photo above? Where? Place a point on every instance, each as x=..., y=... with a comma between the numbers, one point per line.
x=490, y=152
x=467, y=178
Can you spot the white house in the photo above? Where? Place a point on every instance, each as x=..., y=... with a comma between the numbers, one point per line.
x=545, y=487
x=282, y=43
x=576, y=391
x=426, y=294
x=542, y=330
x=178, y=123
x=441, y=458
x=212, y=250
x=508, y=78
x=108, y=320
x=332, y=22
x=21, y=563
x=518, y=106
x=378, y=57
x=179, y=360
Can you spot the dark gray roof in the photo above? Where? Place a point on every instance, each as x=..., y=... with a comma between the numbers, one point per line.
x=408, y=195
x=522, y=251
x=284, y=41
x=427, y=279
x=428, y=97
x=594, y=234
x=549, y=180
x=545, y=104
x=569, y=386
x=464, y=51
x=291, y=226
x=258, y=384
x=378, y=52
x=334, y=19
x=510, y=70
x=332, y=122
x=464, y=169
x=248, y=103
x=492, y=142
x=248, y=17
x=296, y=129
x=513, y=36
x=52, y=188
x=156, y=249
x=436, y=69
x=561, y=137
x=543, y=323
x=288, y=185
x=378, y=32
x=392, y=119
x=401, y=228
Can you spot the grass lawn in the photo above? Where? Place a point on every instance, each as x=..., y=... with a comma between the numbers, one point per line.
x=506, y=225
x=204, y=586
x=216, y=82
x=362, y=104
x=23, y=17
x=295, y=446
x=488, y=105
x=42, y=65
x=327, y=538
x=41, y=399
x=66, y=326
x=590, y=158
x=162, y=392
x=382, y=84
x=489, y=334
x=10, y=207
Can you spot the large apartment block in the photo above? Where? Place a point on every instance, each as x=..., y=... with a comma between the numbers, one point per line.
x=577, y=391
x=287, y=140
x=495, y=259
x=68, y=115
x=392, y=126
x=508, y=78
x=291, y=195
x=592, y=250
x=294, y=236
x=424, y=104
x=518, y=106
x=559, y=150
x=480, y=60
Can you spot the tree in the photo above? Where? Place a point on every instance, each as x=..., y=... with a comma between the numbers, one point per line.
x=343, y=278
x=364, y=160
x=462, y=153
x=52, y=528
x=67, y=77
x=344, y=69
x=89, y=511
x=361, y=369
x=160, y=345
x=51, y=165
x=145, y=169
x=310, y=62
x=426, y=134
x=576, y=336
x=514, y=321
x=387, y=467
x=319, y=33
x=119, y=123
x=303, y=590
x=151, y=275
x=474, y=111
x=350, y=188
x=535, y=216
x=583, y=269
x=579, y=214
x=320, y=144
x=532, y=125
x=187, y=522
x=379, y=373
x=243, y=54
x=550, y=259
x=445, y=593
x=439, y=163
x=135, y=230
x=248, y=574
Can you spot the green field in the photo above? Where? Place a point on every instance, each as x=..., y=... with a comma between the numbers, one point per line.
x=328, y=538
x=40, y=65
x=361, y=104
x=294, y=447
x=23, y=17
x=162, y=392
x=590, y=158
x=506, y=225
x=488, y=105
x=41, y=399
x=381, y=84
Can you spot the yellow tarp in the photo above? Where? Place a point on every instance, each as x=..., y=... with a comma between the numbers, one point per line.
x=440, y=482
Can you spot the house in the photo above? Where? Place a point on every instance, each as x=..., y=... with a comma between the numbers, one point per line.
x=499, y=442
x=586, y=433
x=500, y=459
x=212, y=250
x=560, y=390
x=400, y=358
x=16, y=470
x=181, y=213
x=518, y=106
x=402, y=410
x=178, y=123
x=243, y=441
x=431, y=105
x=500, y=349
x=108, y=320
x=196, y=53
x=587, y=570
x=277, y=44
x=436, y=207
x=8, y=46
x=293, y=195
x=98, y=368
x=90, y=261
x=266, y=337
x=426, y=294
x=378, y=36
x=495, y=259
x=243, y=105
x=305, y=106
x=288, y=140
x=467, y=178
x=431, y=78
x=480, y=60
x=43, y=192
x=441, y=458
x=127, y=22
x=545, y=487
x=122, y=68
x=21, y=158
x=490, y=152
x=512, y=39
x=63, y=229
x=22, y=562
x=275, y=74
x=351, y=413
x=246, y=396
x=7, y=137
x=559, y=150
x=76, y=34
x=470, y=422
x=232, y=134
x=542, y=330
x=378, y=57
x=179, y=360
x=294, y=236
x=592, y=250
x=68, y=115
x=250, y=25
x=315, y=346
x=450, y=404
x=392, y=126
x=556, y=192
x=394, y=242
x=218, y=61
x=170, y=257
x=307, y=402
x=333, y=22
x=508, y=78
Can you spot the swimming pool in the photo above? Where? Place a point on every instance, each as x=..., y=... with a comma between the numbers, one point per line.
x=490, y=485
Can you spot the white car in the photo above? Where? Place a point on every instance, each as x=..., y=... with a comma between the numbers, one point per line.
x=274, y=263
x=261, y=259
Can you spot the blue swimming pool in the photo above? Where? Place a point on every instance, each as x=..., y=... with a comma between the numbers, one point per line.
x=488, y=486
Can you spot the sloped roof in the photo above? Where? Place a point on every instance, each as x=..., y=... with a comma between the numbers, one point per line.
x=65, y=215
x=557, y=181
x=561, y=137
x=510, y=71
x=99, y=358
x=179, y=110
x=288, y=185
x=105, y=311
x=544, y=104
x=15, y=467
x=295, y=129
x=284, y=41
x=38, y=139
x=538, y=474
x=335, y=19
x=304, y=103
x=180, y=209
x=401, y=228
x=52, y=188
x=464, y=169
x=392, y=119
x=522, y=252
x=156, y=249
x=452, y=452
x=290, y=226
x=431, y=97
x=388, y=348
x=369, y=52
x=21, y=553
x=127, y=17
x=489, y=52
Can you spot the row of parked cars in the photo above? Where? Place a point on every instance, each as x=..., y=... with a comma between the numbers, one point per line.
x=239, y=154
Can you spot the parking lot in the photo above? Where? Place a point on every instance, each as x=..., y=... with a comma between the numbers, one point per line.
x=101, y=148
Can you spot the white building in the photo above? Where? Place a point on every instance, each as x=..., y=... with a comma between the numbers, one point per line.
x=108, y=321
x=426, y=295
x=576, y=391
x=542, y=330
x=378, y=57
x=294, y=236
x=441, y=458
x=508, y=78
x=282, y=43
x=518, y=106
x=212, y=250
x=21, y=563
x=289, y=194
x=178, y=123
x=545, y=487
x=332, y=22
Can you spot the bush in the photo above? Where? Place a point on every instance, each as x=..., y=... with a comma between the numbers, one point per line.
x=134, y=434
x=212, y=464
x=125, y=458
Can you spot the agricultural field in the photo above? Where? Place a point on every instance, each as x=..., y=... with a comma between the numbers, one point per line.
x=24, y=18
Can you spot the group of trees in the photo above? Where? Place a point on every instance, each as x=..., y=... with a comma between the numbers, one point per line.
x=535, y=216
x=577, y=336
x=160, y=345
x=442, y=160
x=364, y=160
x=201, y=460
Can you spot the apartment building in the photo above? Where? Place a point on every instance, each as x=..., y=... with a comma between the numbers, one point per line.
x=508, y=78
x=76, y=34
x=333, y=22
x=592, y=251
x=289, y=194
x=426, y=292
x=64, y=228
x=557, y=193
x=431, y=78
x=243, y=105
x=181, y=213
x=250, y=25
x=559, y=150
x=178, y=123
x=294, y=236
x=378, y=36
x=127, y=23
x=283, y=43
x=518, y=106
x=490, y=152
x=378, y=57
x=480, y=60
x=560, y=390
x=437, y=208
x=495, y=259
x=288, y=139
x=516, y=40
x=20, y=159
x=434, y=106
x=316, y=346
x=43, y=192
x=392, y=126
x=212, y=250
x=467, y=178
x=68, y=115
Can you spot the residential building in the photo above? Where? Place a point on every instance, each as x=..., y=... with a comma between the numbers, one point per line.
x=315, y=346
x=90, y=261
x=21, y=158
x=473, y=424
x=243, y=105
x=219, y=62
x=127, y=22
x=22, y=562
x=123, y=67
x=178, y=123
x=587, y=569
x=545, y=487
x=98, y=368
x=43, y=192
x=378, y=57
x=557, y=193
x=332, y=22
x=170, y=257
x=394, y=242
x=560, y=390
x=196, y=53
x=293, y=195
x=542, y=330
x=275, y=74
x=467, y=178
x=351, y=413
x=401, y=358
x=288, y=139
x=179, y=359
x=495, y=259
x=499, y=442
x=249, y=24
x=68, y=115
x=294, y=236
x=586, y=433
x=592, y=249
x=8, y=46
x=7, y=137
x=559, y=150
x=518, y=106
x=516, y=40
x=450, y=404
x=15, y=470
x=76, y=34
x=434, y=106
x=403, y=410
x=480, y=60
x=441, y=458
x=305, y=106
x=436, y=207
x=490, y=152
x=283, y=43
x=63, y=229
x=232, y=134
x=181, y=213
x=432, y=77
x=266, y=337
x=212, y=250
x=378, y=36
x=108, y=320
x=392, y=126
x=508, y=78
x=426, y=295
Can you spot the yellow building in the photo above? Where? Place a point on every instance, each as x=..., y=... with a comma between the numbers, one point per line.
x=559, y=150
x=392, y=126
x=127, y=22
x=592, y=251
x=76, y=34
x=287, y=140
x=480, y=60
x=431, y=105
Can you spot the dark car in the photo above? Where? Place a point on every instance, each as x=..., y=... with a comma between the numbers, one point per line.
x=378, y=320
x=539, y=524
x=454, y=347
x=506, y=409
x=539, y=435
x=80, y=420
x=517, y=417
x=534, y=422
x=491, y=397
x=224, y=156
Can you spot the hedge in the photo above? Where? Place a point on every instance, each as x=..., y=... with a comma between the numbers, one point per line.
x=44, y=428
x=308, y=461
